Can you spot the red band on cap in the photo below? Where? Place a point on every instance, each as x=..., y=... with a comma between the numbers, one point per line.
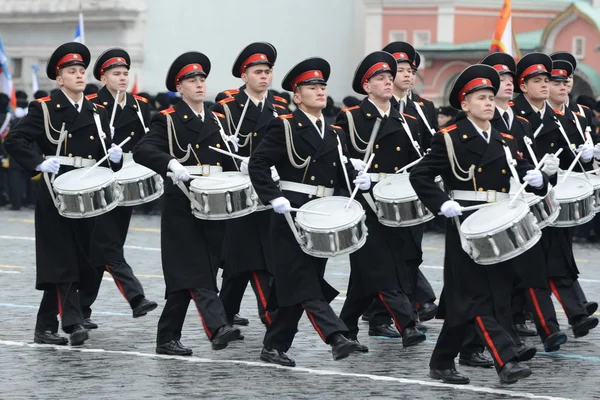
x=252, y=59
x=305, y=76
x=67, y=58
x=402, y=56
x=379, y=67
x=187, y=69
x=560, y=72
x=531, y=69
x=501, y=68
x=110, y=62
x=472, y=84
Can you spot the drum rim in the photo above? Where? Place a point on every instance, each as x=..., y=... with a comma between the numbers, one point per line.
x=518, y=218
x=62, y=177
x=300, y=217
x=561, y=200
x=147, y=175
x=237, y=186
x=389, y=179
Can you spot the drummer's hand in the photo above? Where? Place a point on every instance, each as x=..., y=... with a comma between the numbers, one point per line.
x=115, y=153
x=281, y=205
x=244, y=165
x=235, y=141
x=50, y=166
x=358, y=164
x=363, y=181
x=588, y=151
x=534, y=178
x=450, y=209
x=180, y=173
x=551, y=165
x=597, y=151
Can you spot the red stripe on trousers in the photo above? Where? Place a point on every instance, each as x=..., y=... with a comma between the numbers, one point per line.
x=60, y=310
x=263, y=301
x=314, y=323
x=538, y=310
x=200, y=314
x=555, y=291
x=488, y=339
x=119, y=286
x=390, y=312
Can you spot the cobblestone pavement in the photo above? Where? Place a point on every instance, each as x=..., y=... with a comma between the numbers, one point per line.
x=118, y=362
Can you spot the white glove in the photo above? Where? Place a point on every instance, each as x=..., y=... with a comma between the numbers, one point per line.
x=180, y=173
x=597, y=151
x=244, y=165
x=50, y=166
x=363, y=181
x=588, y=152
x=115, y=153
x=281, y=205
x=534, y=178
x=359, y=165
x=235, y=141
x=450, y=209
x=551, y=165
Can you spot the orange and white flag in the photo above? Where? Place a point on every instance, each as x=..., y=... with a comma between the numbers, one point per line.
x=504, y=39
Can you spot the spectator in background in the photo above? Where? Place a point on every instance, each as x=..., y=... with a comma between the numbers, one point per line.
x=330, y=111
x=4, y=161
x=39, y=94
x=350, y=101
x=446, y=116
x=90, y=88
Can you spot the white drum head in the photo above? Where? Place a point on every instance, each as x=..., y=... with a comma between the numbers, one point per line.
x=394, y=188
x=573, y=189
x=133, y=172
x=220, y=181
x=339, y=216
x=491, y=219
x=73, y=181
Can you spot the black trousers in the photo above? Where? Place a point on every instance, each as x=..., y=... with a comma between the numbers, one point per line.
x=395, y=303
x=544, y=315
x=472, y=342
x=569, y=298
x=280, y=334
x=234, y=286
x=209, y=306
x=129, y=286
x=62, y=300
x=450, y=342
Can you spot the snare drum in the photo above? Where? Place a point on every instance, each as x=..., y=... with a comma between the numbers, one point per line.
x=343, y=231
x=140, y=184
x=498, y=232
x=576, y=198
x=223, y=195
x=595, y=181
x=545, y=209
x=78, y=197
x=261, y=206
x=397, y=203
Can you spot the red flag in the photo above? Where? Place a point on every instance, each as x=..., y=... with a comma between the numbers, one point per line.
x=134, y=89
x=504, y=40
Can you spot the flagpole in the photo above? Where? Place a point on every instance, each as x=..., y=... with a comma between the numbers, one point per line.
x=81, y=21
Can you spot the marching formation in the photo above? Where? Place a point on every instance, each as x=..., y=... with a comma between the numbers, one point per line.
x=269, y=194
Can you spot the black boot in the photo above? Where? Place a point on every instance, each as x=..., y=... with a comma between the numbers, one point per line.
x=173, y=348
x=89, y=324
x=476, y=359
x=224, y=335
x=451, y=376
x=427, y=311
x=237, y=319
x=341, y=347
x=384, y=331
x=412, y=336
x=591, y=307
x=78, y=336
x=49, y=337
x=525, y=352
x=144, y=308
x=583, y=326
x=523, y=330
x=513, y=371
x=276, y=357
x=554, y=340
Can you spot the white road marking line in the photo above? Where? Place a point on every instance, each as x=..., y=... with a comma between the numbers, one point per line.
x=9, y=272
x=466, y=388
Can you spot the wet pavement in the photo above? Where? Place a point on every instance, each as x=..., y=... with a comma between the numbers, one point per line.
x=118, y=361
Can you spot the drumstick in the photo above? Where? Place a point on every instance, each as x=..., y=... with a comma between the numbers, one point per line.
x=210, y=178
x=369, y=148
x=475, y=207
x=290, y=221
x=310, y=212
x=566, y=175
x=104, y=158
x=112, y=117
x=540, y=164
x=407, y=166
x=187, y=193
x=61, y=138
x=227, y=153
x=355, y=191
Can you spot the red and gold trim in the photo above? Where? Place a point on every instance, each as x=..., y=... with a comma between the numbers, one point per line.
x=305, y=76
x=188, y=69
x=472, y=85
x=71, y=57
x=379, y=67
x=531, y=69
x=254, y=58
x=112, y=61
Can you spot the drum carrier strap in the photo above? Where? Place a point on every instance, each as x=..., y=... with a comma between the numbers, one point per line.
x=233, y=127
x=291, y=150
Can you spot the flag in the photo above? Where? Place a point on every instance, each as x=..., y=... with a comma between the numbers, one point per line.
x=79, y=37
x=134, y=89
x=6, y=82
x=504, y=39
x=35, y=83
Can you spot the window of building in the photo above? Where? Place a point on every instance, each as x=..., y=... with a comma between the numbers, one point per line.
x=397, y=36
x=16, y=67
x=421, y=38
x=579, y=46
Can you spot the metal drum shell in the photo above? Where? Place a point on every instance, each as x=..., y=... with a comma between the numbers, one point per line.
x=576, y=208
x=144, y=188
x=232, y=200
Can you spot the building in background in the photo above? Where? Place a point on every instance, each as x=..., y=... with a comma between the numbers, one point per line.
x=450, y=34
